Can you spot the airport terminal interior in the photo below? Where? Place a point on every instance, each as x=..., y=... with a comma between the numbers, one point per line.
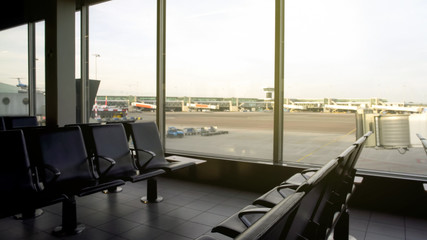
x=173, y=166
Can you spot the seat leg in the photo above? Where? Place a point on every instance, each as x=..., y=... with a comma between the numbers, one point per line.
x=113, y=190
x=151, y=192
x=341, y=230
x=69, y=219
x=29, y=214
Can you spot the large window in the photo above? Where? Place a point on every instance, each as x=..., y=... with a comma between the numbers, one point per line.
x=220, y=57
x=14, y=71
x=122, y=56
x=350, y=67
x=347, y=55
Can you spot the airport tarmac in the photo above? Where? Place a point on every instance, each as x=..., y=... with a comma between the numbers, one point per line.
x=312, y=138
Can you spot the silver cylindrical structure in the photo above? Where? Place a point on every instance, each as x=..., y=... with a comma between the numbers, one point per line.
x=394, y=131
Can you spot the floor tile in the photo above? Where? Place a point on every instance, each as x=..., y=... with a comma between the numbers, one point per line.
x=46, y=222
x=191, y=230
x=142, y=232
x=118, y=226
x=415, y=234
x=360, y=214
x=386, y=230
x=416, y=223
x=389, y=219
x=184, y=213
x=225, y=210
x=375, y=236
x=165, y=222
x=97, y=219
x=141, y=216
x=360, y=225
x=207, y=218
x=201, y=205
x=91, y=234
x=171, y=236
x=359, y=235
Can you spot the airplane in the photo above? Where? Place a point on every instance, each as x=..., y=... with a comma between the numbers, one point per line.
x=144, y=106
x=20, y=84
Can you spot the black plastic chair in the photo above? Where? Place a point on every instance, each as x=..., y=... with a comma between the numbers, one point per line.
x=64, y=168
x=276, y=223
x=333, y=198
x=21, y=191
x=272, y=225
x=339, y=225
x=241, y=220
x=359, y=144
x=314, y=188
x=347, y=166
x=16, y=122
x=110, y=145
x=146, y=141
x=317, y=190
x=145, y=137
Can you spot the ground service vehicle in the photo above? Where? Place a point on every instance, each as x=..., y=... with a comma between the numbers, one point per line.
x=174, y=132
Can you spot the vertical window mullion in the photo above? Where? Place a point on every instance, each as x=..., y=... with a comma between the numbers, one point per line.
x=279, y=53
x=84, y=63
x=32, y=68
x=161, y=66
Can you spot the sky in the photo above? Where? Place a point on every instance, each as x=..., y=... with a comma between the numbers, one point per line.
x=225, y=48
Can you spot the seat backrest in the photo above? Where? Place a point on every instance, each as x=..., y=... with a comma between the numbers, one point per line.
x=2, y=127
x=19, y=122
x=423, y=141
x=64, y=150
x=87, y=135
x=276, y=222
x=359, y=144
x=332, y=198
x=15, y=173
x=145, y=136
x=346, y=159
x=110, y=141
x=315, y=189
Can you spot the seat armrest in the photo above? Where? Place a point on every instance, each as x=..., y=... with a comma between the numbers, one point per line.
x=54, y=170
x=109, y=160
x=358, y=180
x=309, y=170
x=148, y=153
x=93, y=166
x=242, y=214
x=286, y=185
x=305, y=174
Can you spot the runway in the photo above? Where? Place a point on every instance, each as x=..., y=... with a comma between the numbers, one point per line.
x=312, y=138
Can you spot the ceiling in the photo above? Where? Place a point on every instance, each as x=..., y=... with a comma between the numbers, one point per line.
x=19, y=12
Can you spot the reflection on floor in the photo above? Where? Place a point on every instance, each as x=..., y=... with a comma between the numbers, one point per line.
x=188, y=211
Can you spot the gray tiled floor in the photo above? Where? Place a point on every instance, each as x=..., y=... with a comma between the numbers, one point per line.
x=188, y=211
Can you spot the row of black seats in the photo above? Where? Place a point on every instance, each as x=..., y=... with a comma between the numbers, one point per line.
x=309, y=205
x=44, y=166
x=16, y=122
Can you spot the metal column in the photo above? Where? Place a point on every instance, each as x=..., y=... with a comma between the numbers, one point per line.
x=161, y=67
x=84, y=63
x=32, y=69
x=279, y=67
